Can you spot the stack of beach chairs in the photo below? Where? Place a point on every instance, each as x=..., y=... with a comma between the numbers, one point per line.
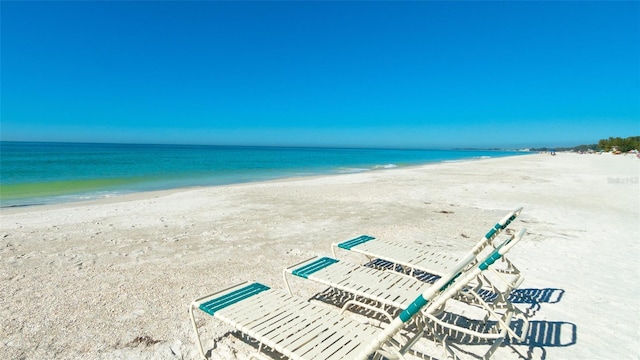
x=401, y=302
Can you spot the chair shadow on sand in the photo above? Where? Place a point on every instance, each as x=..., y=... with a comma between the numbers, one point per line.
x=545, y=334
x=540, y=335
x=533, y=297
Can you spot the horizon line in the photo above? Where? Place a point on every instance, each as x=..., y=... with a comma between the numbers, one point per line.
x=458, y=148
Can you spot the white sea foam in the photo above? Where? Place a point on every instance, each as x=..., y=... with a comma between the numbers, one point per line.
x=388, y=166
x=349, y=170
x=463, y=160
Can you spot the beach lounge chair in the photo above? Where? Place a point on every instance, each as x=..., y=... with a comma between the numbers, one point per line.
x=387, y=292
x=428, y=264
x=299, y=329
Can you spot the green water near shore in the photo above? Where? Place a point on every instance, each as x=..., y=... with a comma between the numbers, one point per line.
x=60, y=188
x=45, y=173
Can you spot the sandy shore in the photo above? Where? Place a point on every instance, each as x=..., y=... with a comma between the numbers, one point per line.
x=113, y=279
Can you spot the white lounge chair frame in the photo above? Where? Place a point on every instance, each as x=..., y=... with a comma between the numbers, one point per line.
x=301, y=330
x=414, y=259
x=390, y=290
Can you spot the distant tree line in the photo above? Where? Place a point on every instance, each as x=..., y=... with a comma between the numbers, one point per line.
x=624, y=145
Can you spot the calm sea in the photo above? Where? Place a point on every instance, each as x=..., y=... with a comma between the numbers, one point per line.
x=44, y=173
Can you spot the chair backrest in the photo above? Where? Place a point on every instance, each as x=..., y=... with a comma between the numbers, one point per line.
x=496, y=230
x=471, y=273
x=477, y=248
x=445, y=288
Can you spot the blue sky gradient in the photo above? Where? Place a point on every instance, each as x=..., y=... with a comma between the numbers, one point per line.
x=375, y=74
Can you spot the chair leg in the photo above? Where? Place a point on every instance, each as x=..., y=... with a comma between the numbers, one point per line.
x=195, y=329
x=493, y=348
x=412, y=341
x=447, y=353
x=258, y=356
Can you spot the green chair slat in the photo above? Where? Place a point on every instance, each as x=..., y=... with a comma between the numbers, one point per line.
x=231, y=298
x=317, y=265
x=347, y=245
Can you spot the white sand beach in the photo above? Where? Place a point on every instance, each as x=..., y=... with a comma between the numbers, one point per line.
x=112, y=279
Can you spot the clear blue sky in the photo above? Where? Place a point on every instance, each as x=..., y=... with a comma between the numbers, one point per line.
x=392, y=74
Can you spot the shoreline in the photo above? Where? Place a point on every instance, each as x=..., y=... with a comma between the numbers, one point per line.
x=138, y=195
x=112, y=279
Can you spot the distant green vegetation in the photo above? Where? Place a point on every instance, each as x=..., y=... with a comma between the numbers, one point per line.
x=618, y=143
x=624, y=145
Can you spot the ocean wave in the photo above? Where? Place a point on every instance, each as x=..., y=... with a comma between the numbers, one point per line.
x=463, y=160
x=350, y=170
x=388, y=166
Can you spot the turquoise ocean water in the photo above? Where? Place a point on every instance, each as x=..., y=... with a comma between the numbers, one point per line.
x=44, y=173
